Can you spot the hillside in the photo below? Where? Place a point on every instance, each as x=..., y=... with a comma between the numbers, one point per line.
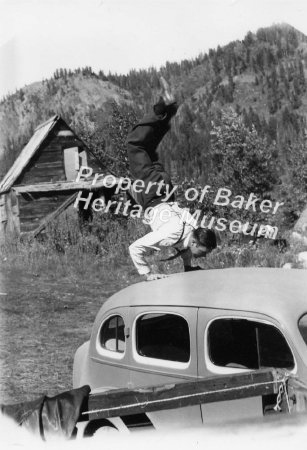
x=257, y=85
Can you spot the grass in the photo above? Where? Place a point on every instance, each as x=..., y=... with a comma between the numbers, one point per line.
x=55, y=287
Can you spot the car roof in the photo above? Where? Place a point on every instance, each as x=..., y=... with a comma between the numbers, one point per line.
x=275, y=292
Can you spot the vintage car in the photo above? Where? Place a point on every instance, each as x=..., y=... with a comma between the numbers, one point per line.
x=199, y=325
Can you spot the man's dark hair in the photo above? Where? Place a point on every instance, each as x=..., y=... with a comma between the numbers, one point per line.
x=207, y=238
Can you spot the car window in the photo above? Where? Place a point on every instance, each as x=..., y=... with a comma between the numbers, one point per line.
x=163, y=336
x=302, y=325
x=112, y=334
x=242, y=343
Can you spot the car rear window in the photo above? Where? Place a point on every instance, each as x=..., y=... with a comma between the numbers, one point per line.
x=249, y=344
x=163, y=336
x=302, y=326
x=112, y=334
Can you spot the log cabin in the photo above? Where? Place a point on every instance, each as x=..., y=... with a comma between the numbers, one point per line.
x=41, y=183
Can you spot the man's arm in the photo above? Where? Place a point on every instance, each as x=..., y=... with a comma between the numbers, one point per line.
x=138, y=249
x=187, y=261
x=138, y=252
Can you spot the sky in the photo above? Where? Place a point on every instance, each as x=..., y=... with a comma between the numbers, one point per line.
x=39, y=36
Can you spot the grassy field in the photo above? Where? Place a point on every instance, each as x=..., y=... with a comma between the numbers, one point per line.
x=50, y=293
x=43, y=321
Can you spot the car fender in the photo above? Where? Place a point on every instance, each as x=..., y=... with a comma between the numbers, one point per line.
x=80, y=366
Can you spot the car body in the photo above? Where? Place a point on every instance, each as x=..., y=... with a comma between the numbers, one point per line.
x=198, y=325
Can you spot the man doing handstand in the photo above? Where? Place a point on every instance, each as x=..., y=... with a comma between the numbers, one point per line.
x=170, y=224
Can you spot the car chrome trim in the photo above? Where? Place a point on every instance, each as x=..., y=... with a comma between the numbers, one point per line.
x=148, y=369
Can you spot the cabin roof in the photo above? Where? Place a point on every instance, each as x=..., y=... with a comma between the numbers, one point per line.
x=276, y=292
x=40, y=134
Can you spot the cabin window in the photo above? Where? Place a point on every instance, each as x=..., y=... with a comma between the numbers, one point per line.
x=74, y=158
x=302, y=326
x=163, y=336
x=247, y=344
x=112, y=335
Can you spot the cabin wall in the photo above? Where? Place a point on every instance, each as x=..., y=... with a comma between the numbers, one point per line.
x=34, y=208
x=24, y=212
x=48, y=163
x=9, y=215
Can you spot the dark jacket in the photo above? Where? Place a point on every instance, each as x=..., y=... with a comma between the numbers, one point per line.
x=142, y=143
x=50, y=416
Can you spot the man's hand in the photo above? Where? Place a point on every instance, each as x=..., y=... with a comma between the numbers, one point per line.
x=155, y=276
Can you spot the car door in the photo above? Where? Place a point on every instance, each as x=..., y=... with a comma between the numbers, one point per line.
x=232, y=342
x=163, y=351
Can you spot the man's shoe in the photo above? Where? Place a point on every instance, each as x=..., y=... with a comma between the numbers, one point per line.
x=191, y=268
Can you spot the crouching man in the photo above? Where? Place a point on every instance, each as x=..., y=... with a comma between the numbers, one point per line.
x=180, y=231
